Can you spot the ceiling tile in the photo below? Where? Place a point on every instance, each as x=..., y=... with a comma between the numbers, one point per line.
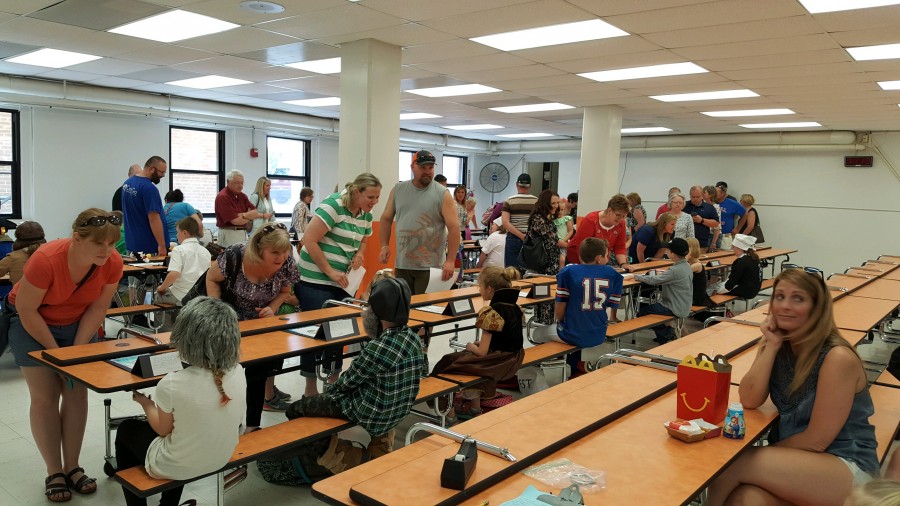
x=230, y=10
x=98, y=14
x=407, y=72
x=602, y=50
x=40, y=33
x=253, y=89
x=68, y=75
x=418, y=10
x=118, y=82
x=509, y=18
x=757, y=47
x=17, y=69
x=238, y=40
x=859, y=19
x=25, y=6
x=458, y=48
x=736, y=32
x=502, y=75
x=166, y=54
x=347, y=18
x=160, y=75
x=781, y=60
x=111, y=67
x=867, y=37
x=8, y=49
x=221, y=65
x=704, y=14
x=109, y=44
x=293, y=52
x=491, y=61
x=407, y=34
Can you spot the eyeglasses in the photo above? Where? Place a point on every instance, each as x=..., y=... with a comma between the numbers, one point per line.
x=268, y=229
x=99, y=221
x=811, y=270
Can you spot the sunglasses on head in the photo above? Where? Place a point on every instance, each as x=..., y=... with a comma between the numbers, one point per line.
x=99, y=221
x=811, y=270
x=268, y=229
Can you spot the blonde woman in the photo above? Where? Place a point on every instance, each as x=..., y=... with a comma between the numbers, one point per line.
x=334, y=244
x=256, y=279
x=823, y=444
x=459, y=198
x=749, y=223
x=61, y=301
x=647, y=243
x=263, y=203
x=684, y=224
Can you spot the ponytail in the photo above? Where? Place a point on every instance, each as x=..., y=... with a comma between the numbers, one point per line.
x=752, y=254
x=223, y=399
x=497, y=278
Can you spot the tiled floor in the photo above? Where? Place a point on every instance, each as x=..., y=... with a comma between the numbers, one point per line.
x=22, y=471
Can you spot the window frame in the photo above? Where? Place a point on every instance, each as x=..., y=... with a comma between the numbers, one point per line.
x=307, y=169
x=15, y=165
x=408, y=168
x=464, y=170
x=220, y=172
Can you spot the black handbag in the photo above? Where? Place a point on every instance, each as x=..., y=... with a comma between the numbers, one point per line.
x=533, y=256
x=757, y=230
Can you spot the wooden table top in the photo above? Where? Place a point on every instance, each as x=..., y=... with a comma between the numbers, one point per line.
x=887, y=289
x=894, y=275
x=731, y=339
x=861, y=313
x=636, y=450
x=598, y=404
x=884, y=265
x=427, y=299
x=851, y=283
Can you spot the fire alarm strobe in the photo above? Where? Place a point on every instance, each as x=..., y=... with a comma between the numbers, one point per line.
x=254, y=152
x=858, y=161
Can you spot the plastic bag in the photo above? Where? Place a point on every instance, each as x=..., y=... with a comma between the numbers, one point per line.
x=563, y=472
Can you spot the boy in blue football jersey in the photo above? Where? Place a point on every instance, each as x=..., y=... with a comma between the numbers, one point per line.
x=583, y=293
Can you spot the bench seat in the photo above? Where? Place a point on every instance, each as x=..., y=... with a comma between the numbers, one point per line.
x=136, y=310
x=886, y=418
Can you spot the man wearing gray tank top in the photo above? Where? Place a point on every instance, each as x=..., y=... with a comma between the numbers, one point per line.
x=427, y=226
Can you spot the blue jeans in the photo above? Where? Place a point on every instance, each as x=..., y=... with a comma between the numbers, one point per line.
x=312, y=296
x=664, y=333
x=511, y=254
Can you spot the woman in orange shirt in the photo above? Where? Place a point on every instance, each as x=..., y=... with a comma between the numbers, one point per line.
x=61, y=301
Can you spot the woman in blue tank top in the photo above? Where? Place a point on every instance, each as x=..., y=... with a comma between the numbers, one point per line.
x=823, y=443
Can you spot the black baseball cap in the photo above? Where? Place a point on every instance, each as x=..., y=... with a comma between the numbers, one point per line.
x=678, y=246
x=523, y=180
x=422, y=157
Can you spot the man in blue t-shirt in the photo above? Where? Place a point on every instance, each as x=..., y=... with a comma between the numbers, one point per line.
x=704, y=216
x=731, y=210
x=143, y=209
x=583, y=293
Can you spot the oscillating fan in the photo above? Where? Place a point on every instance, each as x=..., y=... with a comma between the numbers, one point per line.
x=494, y=177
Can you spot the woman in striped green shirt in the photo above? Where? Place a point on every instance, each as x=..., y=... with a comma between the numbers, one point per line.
x=334, y=243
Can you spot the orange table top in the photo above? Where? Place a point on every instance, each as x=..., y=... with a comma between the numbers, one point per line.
x=886, y=289
x=861, y=313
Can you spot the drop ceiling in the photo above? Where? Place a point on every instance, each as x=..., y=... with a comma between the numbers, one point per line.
x=791, y=58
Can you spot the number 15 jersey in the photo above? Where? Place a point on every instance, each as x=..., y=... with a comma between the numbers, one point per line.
x=587, y=291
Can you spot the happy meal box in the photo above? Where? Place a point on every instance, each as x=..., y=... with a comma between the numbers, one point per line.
x=703, y=385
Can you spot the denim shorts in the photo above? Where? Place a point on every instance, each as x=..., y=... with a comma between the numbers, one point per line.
x=21, y=343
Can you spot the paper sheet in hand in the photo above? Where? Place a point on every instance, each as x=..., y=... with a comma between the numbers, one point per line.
x=354, y=278
x=435, y=284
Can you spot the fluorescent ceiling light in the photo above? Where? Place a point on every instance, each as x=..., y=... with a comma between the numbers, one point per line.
x=53, y=58
x=669, y=69
x=207, y=82
x=798, y=124
x=316, y=102
x=473, y=127
x=706, y=95
x=882, y=52
x=418, y=115
x=530, y=135
x=817, y=6
x=174, y=25
x=454, y=91
x=889, y=85
x=645, y=130
x=551, y=35
x=326, y=66
x=550, y=106
x=747, y=112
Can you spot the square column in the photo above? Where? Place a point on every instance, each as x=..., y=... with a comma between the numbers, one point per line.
x=601, y=139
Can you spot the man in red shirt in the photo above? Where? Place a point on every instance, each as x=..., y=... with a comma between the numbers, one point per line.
x=608, y=225
x=664, y=208
x=234, y=210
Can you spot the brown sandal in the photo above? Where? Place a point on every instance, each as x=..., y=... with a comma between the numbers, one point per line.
x=80, y=486
x=57, y=489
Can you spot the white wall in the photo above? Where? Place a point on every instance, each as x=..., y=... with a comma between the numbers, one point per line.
x=806, y=200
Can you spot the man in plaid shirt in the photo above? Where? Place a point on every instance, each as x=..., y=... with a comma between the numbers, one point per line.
x=381, y=385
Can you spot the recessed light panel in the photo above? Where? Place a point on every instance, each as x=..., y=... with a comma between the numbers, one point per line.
x=798, y=124
x=669, y=69
x=889, y=85
x=882, y=52
x=174, y=25
x=551, y=35
x=208, y=82
x=817, y=6
x=454, y=91
x=473, y=127
x=706, y=95
x=417, y=115
x=316, y=102
x=550, y=106
x=53, y=58
x=530, y=135
x=326, y=66
x=748, y=112
x=645, y=130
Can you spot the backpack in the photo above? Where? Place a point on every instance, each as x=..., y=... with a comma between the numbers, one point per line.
x=297, y=467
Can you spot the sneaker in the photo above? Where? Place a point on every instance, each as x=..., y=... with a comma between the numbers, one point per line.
x=275, y=404
x=282, y=395
x=468, y=412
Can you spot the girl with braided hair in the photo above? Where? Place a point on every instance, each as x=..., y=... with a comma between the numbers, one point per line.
x=207, y=399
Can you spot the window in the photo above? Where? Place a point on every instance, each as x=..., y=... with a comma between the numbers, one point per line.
x=405, y=172
x=10, y=165
x=454, y=167
x=197, y=165
x=288, y=169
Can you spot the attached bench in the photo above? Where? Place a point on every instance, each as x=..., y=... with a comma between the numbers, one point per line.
x=887, y=379
x=886, y=418
x=625, y=327
x=114, y=312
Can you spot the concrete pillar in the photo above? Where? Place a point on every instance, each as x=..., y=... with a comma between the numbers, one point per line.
x=600, y=141
x=370, y=113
